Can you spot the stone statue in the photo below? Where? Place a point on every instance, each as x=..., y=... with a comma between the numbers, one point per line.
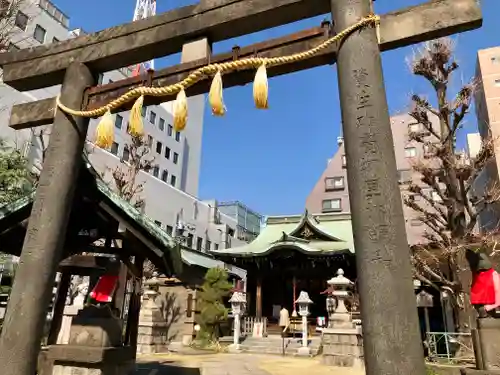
x=82, y=290
x=485, y=289
x=284, y=318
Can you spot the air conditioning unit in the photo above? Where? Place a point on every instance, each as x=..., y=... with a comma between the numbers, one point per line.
x=179, y=225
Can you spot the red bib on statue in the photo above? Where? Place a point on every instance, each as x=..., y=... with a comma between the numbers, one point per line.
x=105, y=288
x=484, y=289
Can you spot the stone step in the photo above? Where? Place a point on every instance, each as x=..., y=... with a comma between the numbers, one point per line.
x=274, y=345
x=275, y=350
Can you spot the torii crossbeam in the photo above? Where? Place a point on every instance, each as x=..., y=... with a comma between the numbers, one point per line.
x=391, y=333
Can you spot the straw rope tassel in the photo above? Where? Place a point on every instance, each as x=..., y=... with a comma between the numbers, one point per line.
x=215, y=96
x=261, y=88
x=136, y=127
x=180, y=105
x=180, y=111
x=105, y=131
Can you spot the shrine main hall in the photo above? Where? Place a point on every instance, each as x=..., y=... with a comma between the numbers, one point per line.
x=293, y=254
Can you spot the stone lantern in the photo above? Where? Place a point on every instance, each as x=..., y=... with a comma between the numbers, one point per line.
x=238, y=305
x=303, y=302
x=151, y=336
x=340, y=286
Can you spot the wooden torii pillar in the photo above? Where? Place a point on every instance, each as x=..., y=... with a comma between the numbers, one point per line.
x=391, y=341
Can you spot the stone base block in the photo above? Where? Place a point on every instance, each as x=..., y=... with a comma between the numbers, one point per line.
x=152, y=338
x=107, y=370
x=342, y=347
x=304, y=351
x=81, y=360
x=489, y=333
x=468, y=371
x=95, y=327
x=234, y=349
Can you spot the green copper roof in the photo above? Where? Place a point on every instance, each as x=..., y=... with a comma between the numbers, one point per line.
x=313, y=235
x=168, y=243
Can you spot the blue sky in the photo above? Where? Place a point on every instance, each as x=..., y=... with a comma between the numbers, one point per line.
x=270, y=160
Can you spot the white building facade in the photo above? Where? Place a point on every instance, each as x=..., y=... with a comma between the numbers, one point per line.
x=171, y=187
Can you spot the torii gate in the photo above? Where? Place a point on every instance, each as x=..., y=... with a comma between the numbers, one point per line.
x=391, y=335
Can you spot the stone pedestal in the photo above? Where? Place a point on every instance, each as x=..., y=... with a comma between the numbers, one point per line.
x=152, y=333
x=489, y=338
x=94, y=347
x=69, y=313
x=343, y=347
x=342, y=340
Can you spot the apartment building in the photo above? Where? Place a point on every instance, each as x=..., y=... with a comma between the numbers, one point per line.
x=487, y=105
x=330, y=193
x=171, y=187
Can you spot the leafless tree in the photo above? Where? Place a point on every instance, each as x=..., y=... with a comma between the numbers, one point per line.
x=125, y=175
x=444, y=196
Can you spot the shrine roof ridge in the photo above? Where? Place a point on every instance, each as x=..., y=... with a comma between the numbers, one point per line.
x=186, y=255
x=281, y=219
x=304, y=233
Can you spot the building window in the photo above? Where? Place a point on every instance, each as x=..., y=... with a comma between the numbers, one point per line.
x=159, y=147
x=173, y=180
x=416, y=222
x=208, y=245
x=114, y=148
x=143, y=111
x=167, y=152
x=344, y=161
x=216, y=246
x=150, y=141
x=334, y=183
x=176, y=157
x=152, y=117
x=332, y=205
x=161, y=124
x=169, y=130
x=170, y=230
x=55, y=40
x=126, y=154
x=189, y=241
x=164, y=176
x=39, y=34
x=495, y=60
x=158, y=223
x=21, y=20
x=497, y=82
x=414, y=128
x=199, y=243
x=177, y=136
x=156, y=170
x=410, y=152
x=118, y=121
x=12, y=47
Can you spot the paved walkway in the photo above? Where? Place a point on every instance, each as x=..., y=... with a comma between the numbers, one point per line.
x=235, y=364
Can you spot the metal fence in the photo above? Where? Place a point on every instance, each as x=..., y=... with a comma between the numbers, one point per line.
x=450, y=347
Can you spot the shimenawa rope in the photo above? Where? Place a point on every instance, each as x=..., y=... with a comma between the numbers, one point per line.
x=105, y=129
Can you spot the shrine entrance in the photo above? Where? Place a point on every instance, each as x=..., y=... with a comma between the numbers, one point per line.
x=293, y=254
x=354, y=43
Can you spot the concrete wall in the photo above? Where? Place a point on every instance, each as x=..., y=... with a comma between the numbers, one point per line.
x=487, y=104
x=167, y=202
x=336, y=167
